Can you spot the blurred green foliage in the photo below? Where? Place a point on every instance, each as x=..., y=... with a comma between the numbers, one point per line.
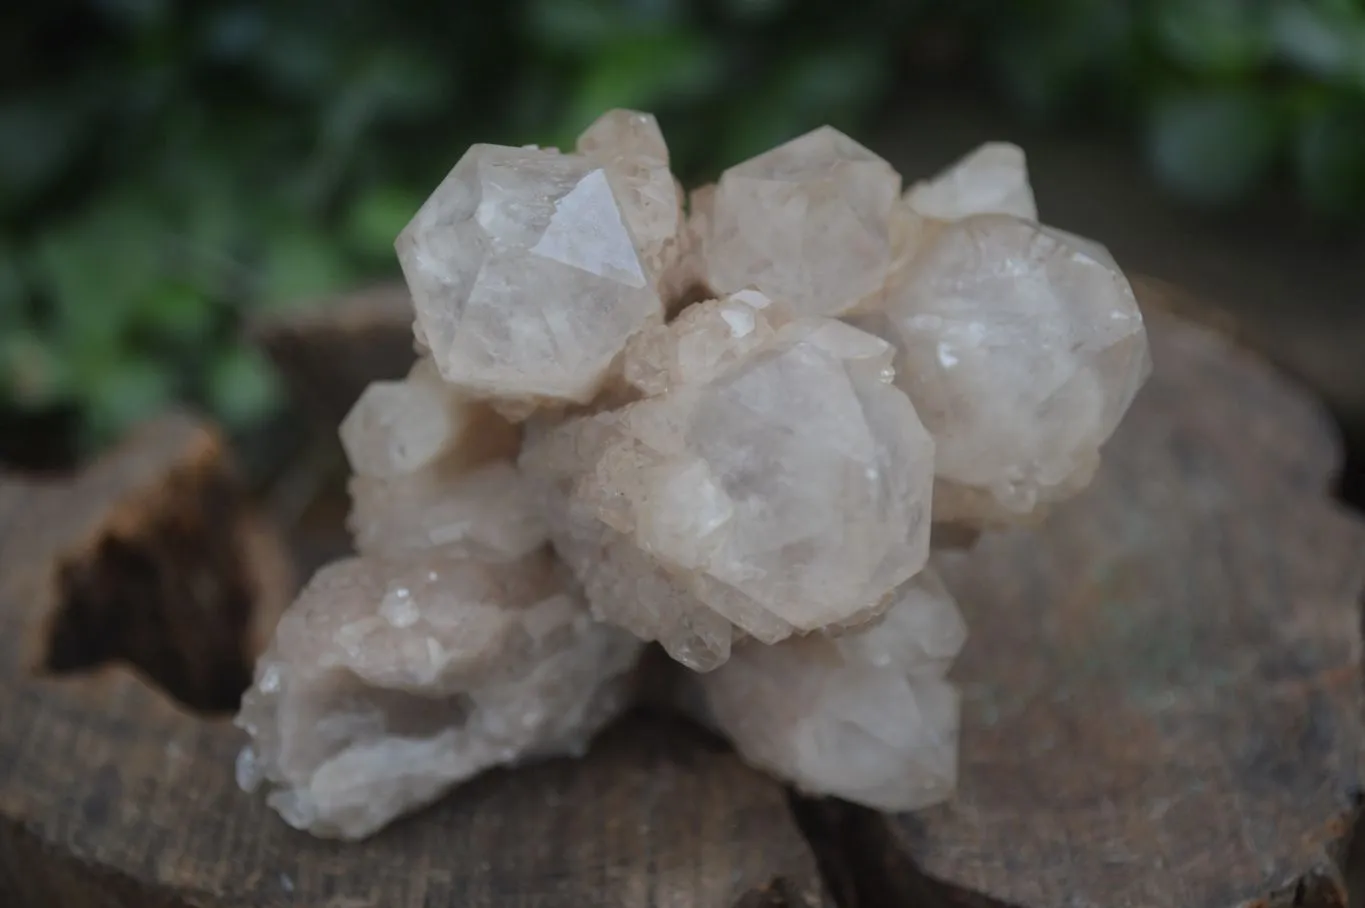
x=166, y=168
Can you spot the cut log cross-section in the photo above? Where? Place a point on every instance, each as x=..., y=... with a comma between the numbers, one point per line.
x=1162, y=704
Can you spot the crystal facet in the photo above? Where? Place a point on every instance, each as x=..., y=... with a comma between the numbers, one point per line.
x=866, y=716
x=630, y=147
x=773, y=479
x=1021, y=350
x=398, y=428
x=389, y=681
x=993, y=179
x=525, y=276
x=807, y=223
x=735, y=431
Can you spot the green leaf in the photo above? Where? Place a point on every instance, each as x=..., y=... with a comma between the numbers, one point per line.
x=130, y=389
x=835, y=85
x=39, y=136
x=755, y=10
x=176, y=313
x=1218, y=37
x=301, y=264
x=377, y=216
x=1329, y=159
x=587, y=27
x=644, y=73
x=12, y=290
x=1321, y=39
x=95, y=270
x=242, y=386
x=136, y=14
x=32, y=373
x=1047, y=56
x=1213, y=148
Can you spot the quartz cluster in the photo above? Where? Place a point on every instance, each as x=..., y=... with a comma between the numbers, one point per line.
x=733, y=424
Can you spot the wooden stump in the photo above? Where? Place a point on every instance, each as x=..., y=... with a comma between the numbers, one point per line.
x=1162, y=691
x=330, y=351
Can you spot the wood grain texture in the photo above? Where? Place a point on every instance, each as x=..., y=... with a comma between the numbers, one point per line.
x=1162, y=708
x=1162, y=686
x=110, y=795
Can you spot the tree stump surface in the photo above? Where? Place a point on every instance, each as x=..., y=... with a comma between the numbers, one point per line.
x=328, y=352
x=1162, y=699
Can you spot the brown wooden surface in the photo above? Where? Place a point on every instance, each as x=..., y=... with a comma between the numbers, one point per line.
x=1162, y=708
x=1162, y=687
x=330, y=351
x=111, y=795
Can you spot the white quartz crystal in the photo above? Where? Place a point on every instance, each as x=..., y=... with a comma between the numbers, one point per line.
x=1021, y=349
x=629, y=145
x=993, y=179
x=525, y=276
x=736, y=429
x=773, y=481
x=488, y=512
x=866, y=716
x=397, y=428
x=807, y=222
x=390, y=680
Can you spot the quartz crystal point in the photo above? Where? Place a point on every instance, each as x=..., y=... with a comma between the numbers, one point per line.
x=398, y=428
x=630, y=147
x=993, y=179
x=433, y=469
x=808, y=223
x=772, y=481
x=489, y=512
x=389, y=681
x=866, y=716
x=525, y=276
x=1021, y=348
x=749, y=480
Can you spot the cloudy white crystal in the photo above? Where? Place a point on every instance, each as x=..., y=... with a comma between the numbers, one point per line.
x=526, y=279
x=630, y=147
x=398, y=428
x=390, y=680
x=866, y=716
x=1021, y=349
x=751, y=484
x=992, y=179
x=808, y=222
x=772, y=483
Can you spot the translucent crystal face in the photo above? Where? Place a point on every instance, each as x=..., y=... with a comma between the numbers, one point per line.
x=866, y=716
x=751, y=482
x=1021, y=350
x=398, y=428
x=390, y=680
x=807, y=223
x=993, y=179
x=526, y=279
x=777, y=478
x=629, y=145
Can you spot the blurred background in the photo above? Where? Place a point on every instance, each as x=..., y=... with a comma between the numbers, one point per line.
x=169, y=171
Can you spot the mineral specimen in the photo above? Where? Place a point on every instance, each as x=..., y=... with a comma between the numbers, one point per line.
x=771, y=482
x=866, y=716
x=1021, y=350
x=630, y=147
x=398, y=428
x=392, y=679
x=807, y=223
x=993, y=179
x=736, y=430
x=525, y=275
